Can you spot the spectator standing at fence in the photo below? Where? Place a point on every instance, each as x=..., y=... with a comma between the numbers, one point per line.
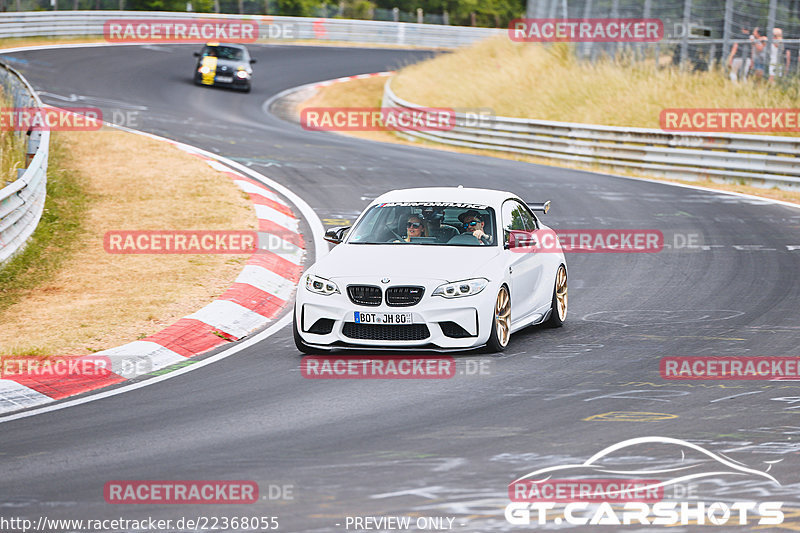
x=760, y=53
x=739, y=61
x=779, y=58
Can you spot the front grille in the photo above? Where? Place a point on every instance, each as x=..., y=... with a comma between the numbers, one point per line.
x=454, y=331
x=364, y=294
x=323, y=326
x=404, y=296
x=384, y=332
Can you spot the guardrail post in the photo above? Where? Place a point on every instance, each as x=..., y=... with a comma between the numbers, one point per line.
x=587, y=13
x=770, y=27
x=726, y=31
x=687, y=18
x=420, y=16
x=614, y=14
x=642, y=48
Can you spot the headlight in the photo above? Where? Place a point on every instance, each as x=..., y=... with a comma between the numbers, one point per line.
x=242, y=74
x=457, y=289
x=204, y=70
x=321, y=285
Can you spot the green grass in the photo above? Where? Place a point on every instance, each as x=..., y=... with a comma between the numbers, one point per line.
x=56, y=236
x=548, y=83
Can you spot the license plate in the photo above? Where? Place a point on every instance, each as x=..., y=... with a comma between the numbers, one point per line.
x=224, y=79
x=394, y=319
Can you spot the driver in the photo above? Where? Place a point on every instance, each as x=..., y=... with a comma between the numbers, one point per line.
x=472, y=222
x=415, y=227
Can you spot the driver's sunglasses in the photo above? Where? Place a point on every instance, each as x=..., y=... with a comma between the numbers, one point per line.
x=471, y=223
x=414, y=225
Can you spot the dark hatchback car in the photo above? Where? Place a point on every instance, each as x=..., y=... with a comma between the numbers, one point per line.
x=224, y=64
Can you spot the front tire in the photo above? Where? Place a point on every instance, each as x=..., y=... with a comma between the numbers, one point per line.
x=558, y=308
x=501, y=322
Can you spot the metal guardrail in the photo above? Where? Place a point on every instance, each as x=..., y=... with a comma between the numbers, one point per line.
x=760, y=160
x=22, y=202
x=278, y=28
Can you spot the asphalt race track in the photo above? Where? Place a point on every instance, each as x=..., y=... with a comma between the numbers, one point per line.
x=443, y=448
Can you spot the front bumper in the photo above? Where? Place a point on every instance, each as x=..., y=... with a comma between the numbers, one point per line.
x=437, y=323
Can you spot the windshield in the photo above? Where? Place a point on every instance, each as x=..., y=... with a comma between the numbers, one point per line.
x=223, y=52
x=433, y=224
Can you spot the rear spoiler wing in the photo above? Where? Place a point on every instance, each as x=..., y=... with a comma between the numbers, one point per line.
x=543, y=207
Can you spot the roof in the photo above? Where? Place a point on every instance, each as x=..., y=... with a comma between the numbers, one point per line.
x=446, y=194
x=232, y=45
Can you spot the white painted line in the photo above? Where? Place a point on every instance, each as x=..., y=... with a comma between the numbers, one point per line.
x=267, y=213
x=124, y=357
x=158, y=379
x=216, y=165
x=251, y=188
x=267, y=281
x=230, y=317
x=14, y=396
x=288, y=251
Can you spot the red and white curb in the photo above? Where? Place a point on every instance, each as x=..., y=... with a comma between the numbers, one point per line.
x=351, y=78
x=258, y=295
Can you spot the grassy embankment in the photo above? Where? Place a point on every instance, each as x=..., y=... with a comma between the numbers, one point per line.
x=532, y=81
x=65, y=295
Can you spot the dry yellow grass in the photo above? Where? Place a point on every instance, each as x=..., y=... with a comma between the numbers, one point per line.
x=98, y=300
x=532, y=81
x=368, y=93
x=38, y=41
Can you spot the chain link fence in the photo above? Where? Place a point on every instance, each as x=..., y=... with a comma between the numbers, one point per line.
x=700, y=34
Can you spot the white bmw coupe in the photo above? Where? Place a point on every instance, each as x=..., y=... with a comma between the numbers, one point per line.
x=437, y=269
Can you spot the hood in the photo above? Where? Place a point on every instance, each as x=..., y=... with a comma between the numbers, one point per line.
x=442, y=263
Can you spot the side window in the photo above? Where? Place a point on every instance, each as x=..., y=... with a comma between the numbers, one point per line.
x=516, y=217
x=512, y=218
x=530, y=220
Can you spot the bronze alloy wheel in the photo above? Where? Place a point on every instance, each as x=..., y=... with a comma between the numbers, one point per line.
x=502, y=317
x=561, y=293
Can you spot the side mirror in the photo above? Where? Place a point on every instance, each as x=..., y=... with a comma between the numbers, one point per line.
x=520, y=239
x=336, y=235
x=252, y=61
x=197, y=54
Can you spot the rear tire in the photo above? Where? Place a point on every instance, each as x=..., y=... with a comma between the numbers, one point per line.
x=558, y=308
x=501, y=322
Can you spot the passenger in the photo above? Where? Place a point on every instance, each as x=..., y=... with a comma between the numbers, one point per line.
x=415, y=227
x=473, y=223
